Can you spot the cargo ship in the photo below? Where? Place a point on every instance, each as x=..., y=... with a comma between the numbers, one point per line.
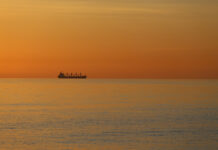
x=71, y=76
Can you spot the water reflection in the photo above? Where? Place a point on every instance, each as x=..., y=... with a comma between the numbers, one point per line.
x=108, y=114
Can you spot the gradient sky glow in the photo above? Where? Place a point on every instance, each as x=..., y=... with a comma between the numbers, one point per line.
x=109, y=38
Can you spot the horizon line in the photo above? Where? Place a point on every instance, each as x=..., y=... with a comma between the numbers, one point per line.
x=188, y=78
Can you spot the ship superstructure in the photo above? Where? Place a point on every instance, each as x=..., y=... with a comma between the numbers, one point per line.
x=72, y=76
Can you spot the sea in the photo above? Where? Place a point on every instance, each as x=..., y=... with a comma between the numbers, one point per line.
x=108, y=114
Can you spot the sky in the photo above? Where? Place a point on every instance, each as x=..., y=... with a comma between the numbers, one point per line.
x=109, y=38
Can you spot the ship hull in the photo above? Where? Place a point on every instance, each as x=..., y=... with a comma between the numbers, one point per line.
x=72, y=77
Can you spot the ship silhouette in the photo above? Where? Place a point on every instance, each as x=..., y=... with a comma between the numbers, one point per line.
x=71, y=76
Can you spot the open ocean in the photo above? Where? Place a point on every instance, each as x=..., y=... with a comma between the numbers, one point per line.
x=106, y=114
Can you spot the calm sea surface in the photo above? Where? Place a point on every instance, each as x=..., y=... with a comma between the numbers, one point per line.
x=97, y=114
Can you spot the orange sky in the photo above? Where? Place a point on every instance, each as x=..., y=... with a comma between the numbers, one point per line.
x=109, y=38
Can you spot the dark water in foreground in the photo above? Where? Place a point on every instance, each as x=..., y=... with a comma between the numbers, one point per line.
x=52, y=114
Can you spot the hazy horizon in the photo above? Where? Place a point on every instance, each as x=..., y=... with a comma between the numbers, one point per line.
x=130, y=78
x=109, y=38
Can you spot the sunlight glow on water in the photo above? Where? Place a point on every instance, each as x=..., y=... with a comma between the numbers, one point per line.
x=55, y=114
